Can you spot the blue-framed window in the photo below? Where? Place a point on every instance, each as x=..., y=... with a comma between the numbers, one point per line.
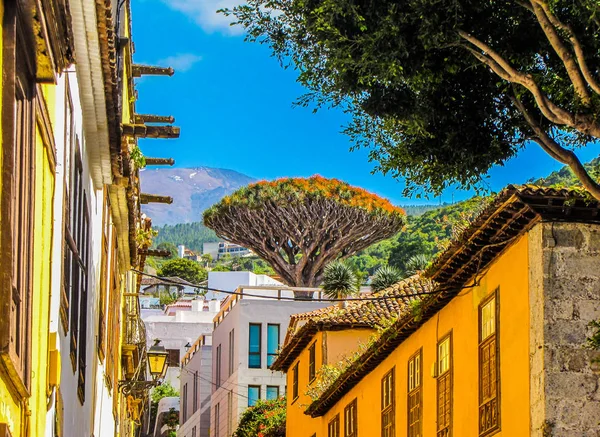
x=254, y=346
x=272, y=343
x=272, y=392
x=253, y=394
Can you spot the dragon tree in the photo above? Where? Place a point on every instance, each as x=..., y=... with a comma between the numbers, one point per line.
x=299, y=225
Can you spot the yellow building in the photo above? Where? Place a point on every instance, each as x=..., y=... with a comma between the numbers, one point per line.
x=72, y=344
x=34, y=49
x=491, y=341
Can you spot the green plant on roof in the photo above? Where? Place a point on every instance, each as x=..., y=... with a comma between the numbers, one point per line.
x=385, y=277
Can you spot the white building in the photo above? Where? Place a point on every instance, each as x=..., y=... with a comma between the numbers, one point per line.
x=195, y=390
x=246, y=338
x=220, y=249
x=178, y=325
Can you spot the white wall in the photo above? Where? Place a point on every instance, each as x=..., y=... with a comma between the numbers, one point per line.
x=248, y=311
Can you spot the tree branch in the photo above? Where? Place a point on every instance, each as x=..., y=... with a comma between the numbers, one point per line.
x=563, y=53
x=579, y=53
x=558, y=152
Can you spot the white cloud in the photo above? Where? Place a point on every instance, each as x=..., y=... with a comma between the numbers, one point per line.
x=181, y=62
x=204, y=12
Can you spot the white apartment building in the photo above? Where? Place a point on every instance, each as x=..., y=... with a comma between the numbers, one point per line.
x=180, y=324
x=248, y=331
x=195, y=390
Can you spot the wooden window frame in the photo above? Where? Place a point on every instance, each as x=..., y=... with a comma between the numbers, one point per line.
x=486, y=406
x=312, y=362
x=351, y=414
x=17, y=213
x=295, y=382
x=254, y=354
x=273, y=355
x=195, y=399
x=333, y=426
x=217, y=419
x=104, y=278
x=388, y=411
x=173, y=357
x=445, y=382
x=415, y=392
x=184, y=395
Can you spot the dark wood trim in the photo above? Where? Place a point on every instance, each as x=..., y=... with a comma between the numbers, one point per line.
x=295, y=382
x=45, y=127
x=494, y=295
x=335, y=424
x=352, y=403
x=417, y=389
x=312, y=362
x=450, y=371
x=386, y=409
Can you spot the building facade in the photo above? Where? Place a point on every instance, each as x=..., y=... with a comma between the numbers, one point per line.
x=493, y=341
x=196, y=389
x=247, y=335
x=71, y=338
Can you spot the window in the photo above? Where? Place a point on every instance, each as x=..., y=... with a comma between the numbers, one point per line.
x=272, y=343
x=231, y=351
x=18, y=199
x=218, y=367
x=104, y=279
x=194, y=432
x=415, y=396
x=254, y=346
x=229, y=413
x=351, y=420
x=387, y=405
x=173, y=358
x=184, y=396
x=217, y=418
x=195, y=399
x=295, y=382
x=312, y=372
x=272, y=392
x=489, y=372
x=333, y=428
x=253, y=394
x=444, y=387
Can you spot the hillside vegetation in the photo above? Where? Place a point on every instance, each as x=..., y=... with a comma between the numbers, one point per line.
x=428, y=231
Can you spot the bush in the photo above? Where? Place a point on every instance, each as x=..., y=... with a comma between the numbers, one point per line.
x=265, y=419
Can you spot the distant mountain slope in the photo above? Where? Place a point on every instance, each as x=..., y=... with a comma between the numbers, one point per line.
x=193, y=190
x=191, y=235
x=565, y=175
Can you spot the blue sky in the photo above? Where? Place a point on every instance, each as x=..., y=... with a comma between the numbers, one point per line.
x=233, y=103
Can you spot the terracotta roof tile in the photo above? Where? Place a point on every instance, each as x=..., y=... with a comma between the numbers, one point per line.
x=367, y=313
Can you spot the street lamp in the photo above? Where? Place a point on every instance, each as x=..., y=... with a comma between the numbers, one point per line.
x=157, y=359
x=187, y=346
x=157, y=362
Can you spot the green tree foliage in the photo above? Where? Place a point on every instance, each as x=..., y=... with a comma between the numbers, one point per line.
x=167, y=245
x=442, y=90
x=185, y=269
x=265, y=419
x=416, y=263
x=339, y=280
x=191, y=235
x=385, y=277
x=165, y=390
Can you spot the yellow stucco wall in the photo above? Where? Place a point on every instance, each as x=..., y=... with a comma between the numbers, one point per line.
x=44, y=186
x=331, y=345
x=510, y=273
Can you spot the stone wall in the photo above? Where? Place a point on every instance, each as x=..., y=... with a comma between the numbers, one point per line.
x=565, y=298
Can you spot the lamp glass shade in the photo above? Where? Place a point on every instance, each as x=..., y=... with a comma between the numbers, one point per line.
x=157, y=360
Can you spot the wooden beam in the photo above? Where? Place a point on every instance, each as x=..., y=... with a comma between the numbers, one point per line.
x=151, y=118
x=160, y=161
x=155, y=252
x=143, y=131
x=138, y=70
x=155, y=198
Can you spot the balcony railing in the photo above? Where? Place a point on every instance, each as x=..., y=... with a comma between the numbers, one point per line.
x=265, y=292
x=134, y=335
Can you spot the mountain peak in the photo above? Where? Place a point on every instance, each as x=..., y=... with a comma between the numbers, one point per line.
x=193, y=190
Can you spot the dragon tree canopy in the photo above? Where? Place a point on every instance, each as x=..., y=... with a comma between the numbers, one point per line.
x=299, y=225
